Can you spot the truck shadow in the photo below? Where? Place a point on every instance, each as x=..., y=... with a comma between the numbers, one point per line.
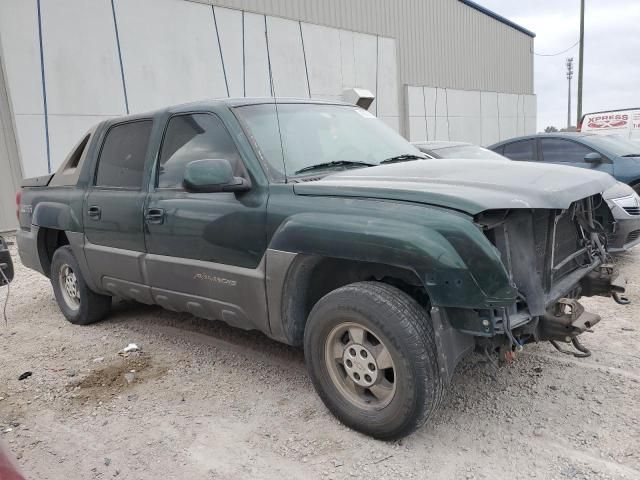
x=185, y=327
x=474, y=376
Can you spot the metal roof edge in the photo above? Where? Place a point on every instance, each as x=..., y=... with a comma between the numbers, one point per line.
x=495, y=16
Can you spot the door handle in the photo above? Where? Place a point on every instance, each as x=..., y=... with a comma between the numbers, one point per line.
x=154, y=215
x=94, y=212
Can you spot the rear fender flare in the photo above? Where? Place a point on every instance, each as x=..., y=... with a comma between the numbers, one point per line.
x=57, y=216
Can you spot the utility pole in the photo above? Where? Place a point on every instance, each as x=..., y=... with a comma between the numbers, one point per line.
x=569, y=77
x=581, y=61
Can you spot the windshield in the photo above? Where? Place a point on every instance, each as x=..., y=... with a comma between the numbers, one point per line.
x=341, y=136
x=613, y=144
x=468, y=151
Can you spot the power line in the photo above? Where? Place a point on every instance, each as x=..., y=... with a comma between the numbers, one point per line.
x=555, y=54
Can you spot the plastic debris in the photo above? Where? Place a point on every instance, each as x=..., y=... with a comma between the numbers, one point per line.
x=129, y=349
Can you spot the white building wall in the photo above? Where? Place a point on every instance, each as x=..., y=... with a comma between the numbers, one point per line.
x=286, y=53
x=256, y=59
x=69, y=64
x=21, y=58
x=82, y=78
x=10, y=170
x=170, y=53
x=470, y=116
x=229, y=24
x=322, y=50
x=102, y=59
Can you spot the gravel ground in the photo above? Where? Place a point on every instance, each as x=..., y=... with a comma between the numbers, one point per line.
x=212, y=402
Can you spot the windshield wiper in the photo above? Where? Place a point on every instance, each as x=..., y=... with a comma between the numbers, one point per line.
x=404, y=158
x=631, y=155
x=335, y=163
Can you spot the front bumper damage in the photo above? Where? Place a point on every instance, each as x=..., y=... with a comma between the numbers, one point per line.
x=553, y=258
x=566, y=319
x=507, y=330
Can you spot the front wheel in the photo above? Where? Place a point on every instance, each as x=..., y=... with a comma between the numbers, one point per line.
x=371, y=354
x=78, y=303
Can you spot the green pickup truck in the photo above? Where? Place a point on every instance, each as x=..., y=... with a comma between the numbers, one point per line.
x=318, y=225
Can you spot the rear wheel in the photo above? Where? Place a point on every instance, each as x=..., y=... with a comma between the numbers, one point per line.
x=78, y=303
x=371, y=354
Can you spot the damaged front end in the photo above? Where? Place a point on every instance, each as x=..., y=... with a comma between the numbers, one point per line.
x=553, y=257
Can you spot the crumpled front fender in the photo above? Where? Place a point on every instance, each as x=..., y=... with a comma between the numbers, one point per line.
x=456, y=263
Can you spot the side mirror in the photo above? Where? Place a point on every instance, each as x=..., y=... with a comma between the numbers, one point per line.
x=593, y=157
x=213, y=175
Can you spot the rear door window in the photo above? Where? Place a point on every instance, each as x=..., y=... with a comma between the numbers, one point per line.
x=557, y=150
x=524, y=150
x=121, y=162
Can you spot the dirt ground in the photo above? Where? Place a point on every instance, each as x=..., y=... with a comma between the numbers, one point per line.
x=206, y=401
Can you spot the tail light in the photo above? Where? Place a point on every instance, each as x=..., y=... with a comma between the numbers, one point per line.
x=18, y=198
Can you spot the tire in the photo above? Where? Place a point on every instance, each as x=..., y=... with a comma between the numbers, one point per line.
x=79, y=304
x=403, y=328
x=636, y=188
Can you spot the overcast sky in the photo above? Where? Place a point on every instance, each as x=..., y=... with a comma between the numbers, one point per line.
x=611, y=46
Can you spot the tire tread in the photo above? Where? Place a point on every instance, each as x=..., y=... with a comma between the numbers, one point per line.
x=93, y=306
x=409, y=316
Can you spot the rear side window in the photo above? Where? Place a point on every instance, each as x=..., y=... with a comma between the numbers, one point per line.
x=192, y=137
x=524, y=150
x=121, y=162
x=74, y=158
x=557, y=150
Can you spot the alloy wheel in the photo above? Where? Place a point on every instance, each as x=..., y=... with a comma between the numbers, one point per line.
x=360, y=366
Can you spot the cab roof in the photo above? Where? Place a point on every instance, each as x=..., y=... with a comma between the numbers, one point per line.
x=216, y=103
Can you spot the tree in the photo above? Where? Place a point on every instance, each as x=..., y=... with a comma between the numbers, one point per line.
x=550, y=129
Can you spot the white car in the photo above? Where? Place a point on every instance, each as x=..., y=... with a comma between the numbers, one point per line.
x=624, y=123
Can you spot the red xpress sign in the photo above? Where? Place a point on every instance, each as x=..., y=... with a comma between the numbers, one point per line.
x=608, y=120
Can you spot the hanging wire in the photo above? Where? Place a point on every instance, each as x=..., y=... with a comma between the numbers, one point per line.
x=6, y=300
x=555, y=54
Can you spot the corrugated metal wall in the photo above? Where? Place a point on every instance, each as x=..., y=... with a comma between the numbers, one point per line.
x=442, y=43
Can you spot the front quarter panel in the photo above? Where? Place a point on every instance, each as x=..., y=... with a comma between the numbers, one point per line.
x=456, y=263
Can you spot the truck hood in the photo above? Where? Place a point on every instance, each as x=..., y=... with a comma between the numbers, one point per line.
x=471, y=186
